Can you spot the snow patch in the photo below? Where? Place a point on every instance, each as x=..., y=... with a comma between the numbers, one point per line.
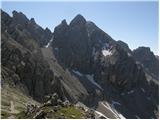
x=100, y=114
x=91, y=79
x=77, y=72
x=128, y=54
x=130, y=92
x=118, y=114
x=121, y=116
x=106, y=52
x=113, y=106
x=137, y=116
x=23, y=63
x=115, y=103
x=143, y=90
x=49, y=43
x=56, y=49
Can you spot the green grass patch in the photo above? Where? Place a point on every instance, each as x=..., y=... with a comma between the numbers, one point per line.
x=20, y=108
x=69, y=112
x=21, y=115
x=47, y=108
x=5, y=103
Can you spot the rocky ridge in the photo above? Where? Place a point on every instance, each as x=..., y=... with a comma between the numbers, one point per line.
x=80, y=63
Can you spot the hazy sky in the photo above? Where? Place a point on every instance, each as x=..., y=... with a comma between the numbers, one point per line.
x=135, y=23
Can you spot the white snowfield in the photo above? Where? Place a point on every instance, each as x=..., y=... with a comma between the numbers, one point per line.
x=106, y=52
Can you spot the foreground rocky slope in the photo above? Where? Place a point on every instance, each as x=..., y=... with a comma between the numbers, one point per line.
x=81, y=64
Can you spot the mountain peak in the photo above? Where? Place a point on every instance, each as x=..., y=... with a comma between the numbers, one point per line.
x=143, y=50
x=18, y=14
x=79, y=16
x=19, y=18
x=78, y=20
x=32, y=20
x=145, y=56
x=64, y=22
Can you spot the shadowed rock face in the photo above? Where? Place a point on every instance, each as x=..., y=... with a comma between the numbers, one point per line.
x=81, y=46
x=21, y=56
x=83, y=63
x=86, y=48
x=147, y=58
x=33, y=66
x=20, y=23
x=19, y=18
x=30, y=67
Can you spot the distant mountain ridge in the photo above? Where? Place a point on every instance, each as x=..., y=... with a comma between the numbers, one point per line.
x=81, y=63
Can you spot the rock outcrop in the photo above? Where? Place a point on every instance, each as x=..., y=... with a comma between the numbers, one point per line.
x=149, y=61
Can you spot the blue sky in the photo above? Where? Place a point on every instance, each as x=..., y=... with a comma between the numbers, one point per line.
x=135, y=23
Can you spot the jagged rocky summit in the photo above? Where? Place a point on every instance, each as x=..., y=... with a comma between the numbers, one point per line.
x=81, y=64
